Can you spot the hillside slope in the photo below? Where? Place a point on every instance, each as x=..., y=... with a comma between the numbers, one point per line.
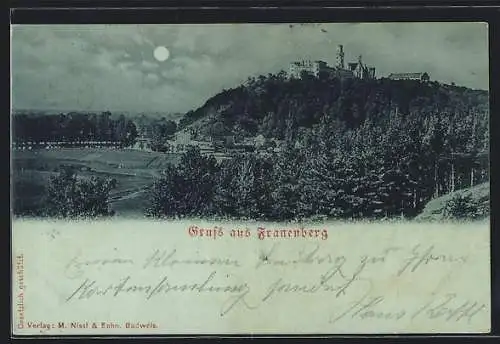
x=283, y=108
x=435, y=209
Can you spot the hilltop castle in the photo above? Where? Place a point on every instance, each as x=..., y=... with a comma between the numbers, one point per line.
x=355, y=69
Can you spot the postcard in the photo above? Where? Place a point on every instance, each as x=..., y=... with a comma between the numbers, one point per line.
x=250, y=179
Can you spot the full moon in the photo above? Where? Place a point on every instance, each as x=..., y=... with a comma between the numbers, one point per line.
x=161, y=53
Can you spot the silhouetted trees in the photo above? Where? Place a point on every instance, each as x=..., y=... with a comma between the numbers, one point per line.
x=74, y=127
x=70, y=196
x=186, y=189
x=161, y=130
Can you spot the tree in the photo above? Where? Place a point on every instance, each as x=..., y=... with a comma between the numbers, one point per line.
x=104, y=127
x=186, y=189
x=166, y=194
x=170, y=127
x=464, y=206
x=287, y=170
x=244, y=186
x=70, y=196
x=130, y=134
x=322, y=186
x=162, y=130
x=120, y=129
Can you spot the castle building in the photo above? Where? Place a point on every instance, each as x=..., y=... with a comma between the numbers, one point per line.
x=308, y=66
x=340, y=56
x=410, y=76
x=360, y=70
x=355, y=69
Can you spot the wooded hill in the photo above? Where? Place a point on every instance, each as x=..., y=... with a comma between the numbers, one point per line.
x=283, y=108
x=352, y=149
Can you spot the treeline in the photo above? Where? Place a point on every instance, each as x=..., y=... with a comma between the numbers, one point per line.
x=73, y=127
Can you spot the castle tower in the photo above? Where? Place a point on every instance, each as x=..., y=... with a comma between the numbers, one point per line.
x=372, y=72
x=360, y=68
x=340, y=56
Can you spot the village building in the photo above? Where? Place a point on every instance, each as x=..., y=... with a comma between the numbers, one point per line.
x=182, y=137
x=410, y=76
x=142, y=143
x=311, y=67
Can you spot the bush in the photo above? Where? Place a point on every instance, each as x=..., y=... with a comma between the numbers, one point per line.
x=186, y=189
x=68, y=196
x=464, y=206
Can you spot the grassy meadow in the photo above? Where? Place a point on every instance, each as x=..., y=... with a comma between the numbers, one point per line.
x=133, y=170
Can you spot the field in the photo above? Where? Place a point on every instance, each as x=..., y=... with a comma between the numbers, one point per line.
x=133, y=170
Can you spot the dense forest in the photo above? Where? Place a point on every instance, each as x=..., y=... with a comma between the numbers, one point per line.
x=73, y=127
x=352, y=149
x=283, y=108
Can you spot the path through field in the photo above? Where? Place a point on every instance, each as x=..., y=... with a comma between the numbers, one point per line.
x=134, y=172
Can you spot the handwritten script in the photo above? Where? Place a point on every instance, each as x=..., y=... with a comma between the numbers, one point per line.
x=350, y=283
x=336, y=276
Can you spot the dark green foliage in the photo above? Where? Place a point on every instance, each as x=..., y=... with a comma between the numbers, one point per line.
x=73, y=127
x=236, y=188
x=69, y=196
x=242, y=187
x=161, y=131
x=464, y=206
x=278, y=107
x=186, y=189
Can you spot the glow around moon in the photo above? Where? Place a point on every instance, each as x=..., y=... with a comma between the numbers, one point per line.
x=161, y=53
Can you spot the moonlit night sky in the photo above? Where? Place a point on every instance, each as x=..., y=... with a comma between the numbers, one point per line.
x=122, y=68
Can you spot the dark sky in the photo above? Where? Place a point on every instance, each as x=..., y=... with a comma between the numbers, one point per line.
x=112, y=67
